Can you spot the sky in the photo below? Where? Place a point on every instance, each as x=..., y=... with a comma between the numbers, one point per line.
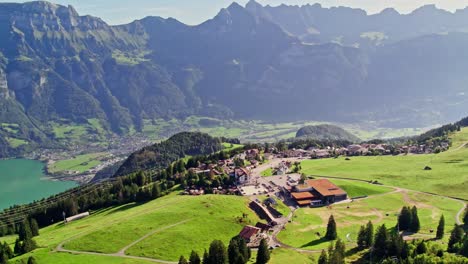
x=196, y=11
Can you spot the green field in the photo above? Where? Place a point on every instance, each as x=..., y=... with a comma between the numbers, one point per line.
x=267, y=173
x=357, y=188
x=380, y=209
x=79, y=163
x=448, y=169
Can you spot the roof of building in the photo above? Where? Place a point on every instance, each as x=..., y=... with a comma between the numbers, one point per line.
x=325, y=187
x=249, y=231
x=304, y=202
x=302, y=195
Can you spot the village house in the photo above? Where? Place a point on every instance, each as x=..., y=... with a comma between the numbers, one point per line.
x=317, y=193
x=249, y=233
x=241, y=175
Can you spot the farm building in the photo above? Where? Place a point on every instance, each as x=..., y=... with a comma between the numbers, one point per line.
x=248, y=233
x=317, y=193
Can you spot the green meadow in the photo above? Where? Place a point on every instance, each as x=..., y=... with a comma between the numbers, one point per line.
x=447, y=177
x=79, y=163
x=308, y=225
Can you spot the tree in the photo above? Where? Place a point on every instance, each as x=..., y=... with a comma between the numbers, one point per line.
x=405, y=250
x=238, y=251
x=18, y=247
x=421, y=248
x=194, y=258
x=404, y=218
x=263, y=255
x=369, y=234
x=32, y=260
x=34, y=227
x=331, y=229
x=323, y=259
x=182, y=260
x=440, y=228
x=7, y=250
x=336, y=254
x=456, y=237
x=415, y=225
x=361, y=239
x=395, y=245
x=25, y=230
x=3, y=258
x=380, y=241
x=465, y=217
x=206, y=258
x=464, y=248
x=217, y=253
x=156, y=191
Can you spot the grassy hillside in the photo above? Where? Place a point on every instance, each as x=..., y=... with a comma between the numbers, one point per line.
x=185, y=221
x=448, y=175
x=380, y=209
x=326, y=132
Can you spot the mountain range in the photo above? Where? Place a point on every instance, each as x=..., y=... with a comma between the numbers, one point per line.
x=253, y=62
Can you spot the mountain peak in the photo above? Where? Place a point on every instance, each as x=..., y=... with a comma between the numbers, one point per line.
x=253, y=4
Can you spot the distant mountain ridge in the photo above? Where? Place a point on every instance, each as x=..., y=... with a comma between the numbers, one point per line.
x=247, y=63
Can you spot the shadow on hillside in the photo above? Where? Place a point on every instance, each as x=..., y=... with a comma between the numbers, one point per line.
x=123, y=208
x=316, y=242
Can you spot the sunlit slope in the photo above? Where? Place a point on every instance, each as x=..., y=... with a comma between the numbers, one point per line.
x=449, y=174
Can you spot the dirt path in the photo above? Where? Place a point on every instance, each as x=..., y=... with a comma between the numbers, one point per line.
x=461, y=146
x=122, y=251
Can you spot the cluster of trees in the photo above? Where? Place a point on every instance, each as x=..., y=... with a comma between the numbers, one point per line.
x=236, y=253
x=336, y=254
x=160, y=155
x=408, y=220
x=24, y=243
x=387, y=245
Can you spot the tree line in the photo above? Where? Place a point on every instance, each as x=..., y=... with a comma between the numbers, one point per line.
x=236, y=253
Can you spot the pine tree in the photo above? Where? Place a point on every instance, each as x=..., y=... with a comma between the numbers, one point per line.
x=18, y=247
x=3, y=258
x=405, y=250
x=331, y=229
x=25, y=230
x=395, y=245
x=323, y=258
x=361, y=239
x=206, y=258
x=421, y=248
x=415, y=225
x=194, y=258
x=34, y=227
x=217, y=253
x=182, y=260
x=263, y=254
x=440, y=228
x=380, y=241
x=234, y=252
x=32, y=260
x=156, y=191
x=404, y=219
x=7, y=250
x=456, y=237
x=464, y=248
x=465, y=217
x=369, y=234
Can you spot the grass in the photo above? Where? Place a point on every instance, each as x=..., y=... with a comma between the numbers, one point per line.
x=267, y=173
x=80, y=163
x=229, y=146
x=357, y=189
x=448, y=169
x=282, y=255
x=208, y=218
x=16, y=142
x=382, y=209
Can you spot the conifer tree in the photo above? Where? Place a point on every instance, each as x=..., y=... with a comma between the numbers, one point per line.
x=456, y=237
x=415, y=225
x=331, y=233
x=182, y=260
x=34, y=228
x=404, y=219
x=380, y=241
x=369, y=234
x=7, y=250
x=421, y=248
x=217, y=253
x=361, y=239
x=464, y=248
x=194, y=258
x=206, y=258
x=32, y=260
x=3, y=258
x=323, y=259
x=440, y=228
x=25, y=230
x=263, y=254
x=465, y=217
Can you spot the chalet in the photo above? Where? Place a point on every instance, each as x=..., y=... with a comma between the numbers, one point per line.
x=241, y=175
x=248, y=233
x=252, y=153
x=317, y=192
x=76, y=217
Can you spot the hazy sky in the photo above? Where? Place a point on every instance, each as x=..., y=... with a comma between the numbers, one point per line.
x=197, y=11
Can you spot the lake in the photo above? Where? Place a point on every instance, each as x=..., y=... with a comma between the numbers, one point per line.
x=23, y=181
